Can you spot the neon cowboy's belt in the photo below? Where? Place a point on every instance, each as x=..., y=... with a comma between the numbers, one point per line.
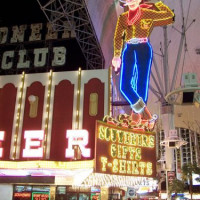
x=137, y=40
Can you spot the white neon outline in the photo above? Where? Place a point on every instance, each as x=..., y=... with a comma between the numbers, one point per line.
x=2, y=138
x=135, y=77
x=80, y=138
x=134, y=105
x=33, y=153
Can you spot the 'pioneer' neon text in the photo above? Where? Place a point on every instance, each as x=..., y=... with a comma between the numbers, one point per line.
x=33, y=144
x=77, y=138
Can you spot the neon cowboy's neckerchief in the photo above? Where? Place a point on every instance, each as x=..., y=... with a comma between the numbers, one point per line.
x=134, y=15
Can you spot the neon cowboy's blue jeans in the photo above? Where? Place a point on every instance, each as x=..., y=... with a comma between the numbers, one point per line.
x=135, y=72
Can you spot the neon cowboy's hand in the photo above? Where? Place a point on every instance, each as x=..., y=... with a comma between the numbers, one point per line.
x=116, y=62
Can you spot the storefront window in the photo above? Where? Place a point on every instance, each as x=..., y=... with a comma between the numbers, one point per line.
x=84, y=196
x=77, y=193
x=61, y=190
x=71, y=196
x=24, y=192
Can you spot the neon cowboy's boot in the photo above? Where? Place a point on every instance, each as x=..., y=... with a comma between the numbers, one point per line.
x=146, y=114
x=139, y=106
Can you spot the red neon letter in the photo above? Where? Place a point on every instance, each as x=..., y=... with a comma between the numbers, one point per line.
x=2, y=137
x=33, y=145
x=77, y=137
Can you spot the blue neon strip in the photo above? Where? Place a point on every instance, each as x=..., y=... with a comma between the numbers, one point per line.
x=122, y=77
x=150, y=61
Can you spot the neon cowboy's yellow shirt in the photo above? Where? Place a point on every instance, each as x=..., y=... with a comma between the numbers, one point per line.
x=142, y=27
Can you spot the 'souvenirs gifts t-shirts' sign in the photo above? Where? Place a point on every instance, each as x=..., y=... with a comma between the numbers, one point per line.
x=125, y=152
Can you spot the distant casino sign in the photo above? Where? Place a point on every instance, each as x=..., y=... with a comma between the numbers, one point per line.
x=34, y=47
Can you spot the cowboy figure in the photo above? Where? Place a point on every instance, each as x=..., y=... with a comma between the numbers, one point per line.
x=133, y=52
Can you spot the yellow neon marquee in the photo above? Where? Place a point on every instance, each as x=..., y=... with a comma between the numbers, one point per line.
x=46, y=165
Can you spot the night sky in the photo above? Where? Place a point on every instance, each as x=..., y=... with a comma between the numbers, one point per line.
x=20, y=12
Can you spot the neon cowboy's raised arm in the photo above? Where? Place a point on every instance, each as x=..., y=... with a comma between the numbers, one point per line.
x=163, y=16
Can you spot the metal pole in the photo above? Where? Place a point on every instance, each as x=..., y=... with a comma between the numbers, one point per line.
x=182, y=40
x=165, y=59
x=168, y=123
